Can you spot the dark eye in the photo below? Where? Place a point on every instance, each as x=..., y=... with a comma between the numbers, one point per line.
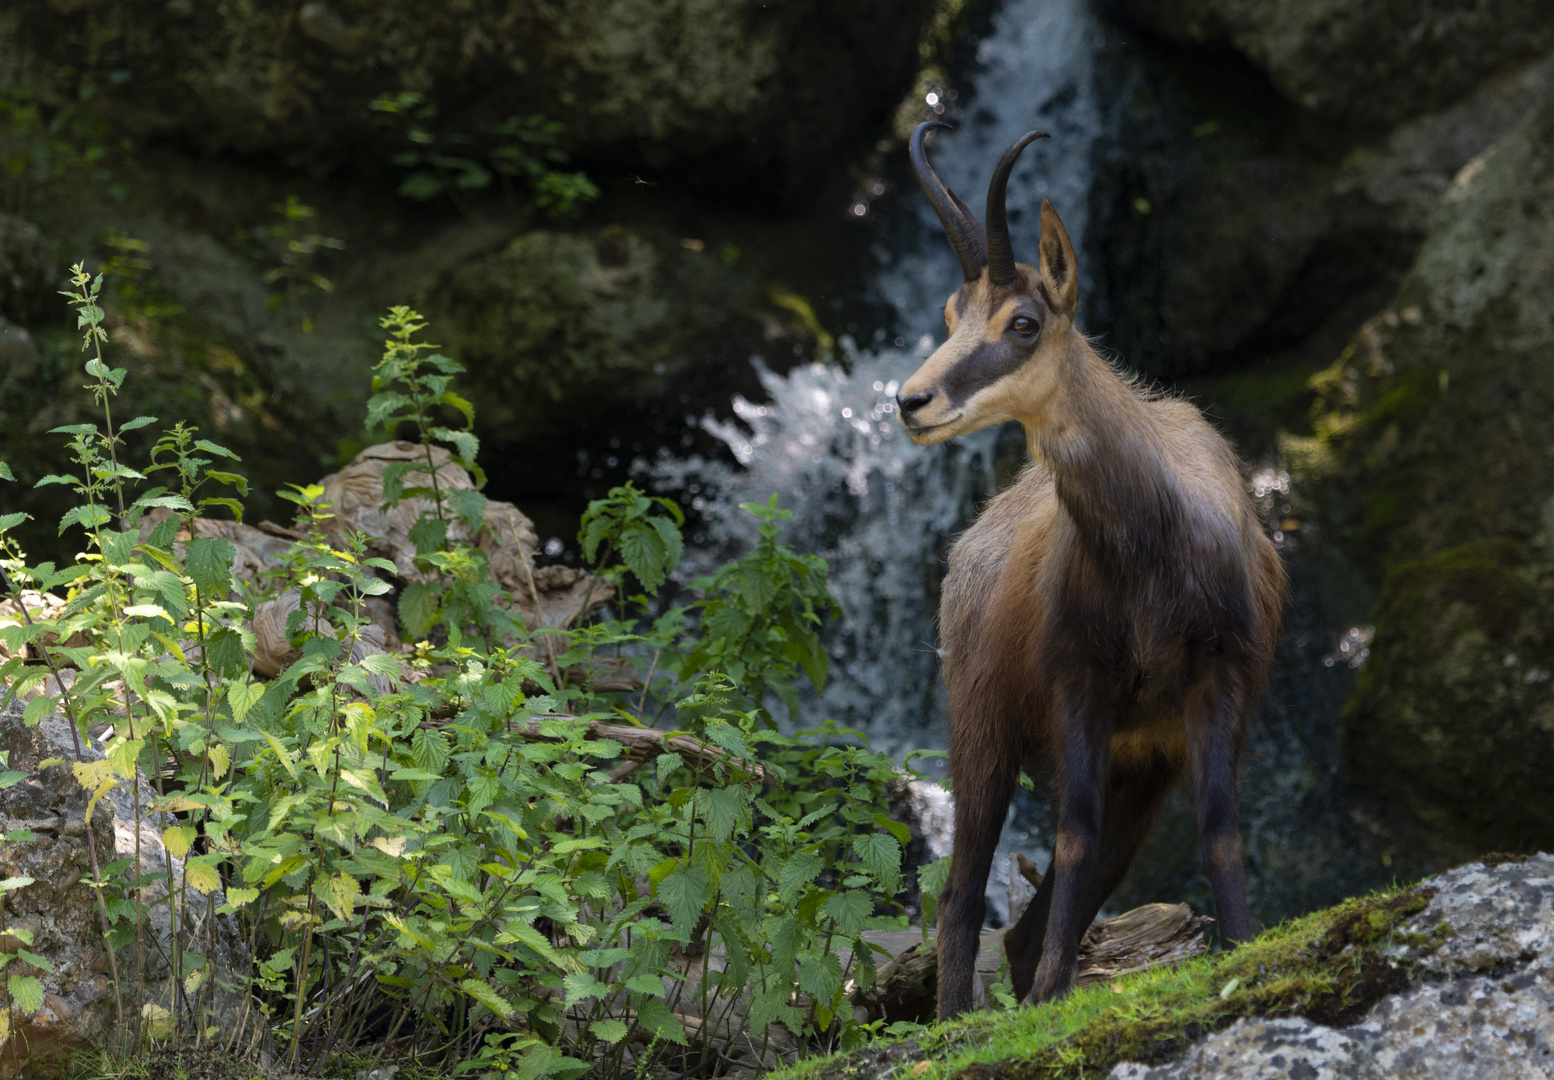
x=1024, y=326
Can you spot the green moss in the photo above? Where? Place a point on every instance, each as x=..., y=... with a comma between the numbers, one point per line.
x=1329, y=966
x=1449, y=724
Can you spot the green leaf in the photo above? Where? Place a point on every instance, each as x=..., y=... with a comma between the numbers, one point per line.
x=644, y=553
x=138, y=422
x=417, y=609
x=684, y=893
x=243, y=696
x=880, y=853
x=656, y=1018
x=484, y=993
x=798, y=872
x=208, y=562
x=609, y=1031
x=215, y=448
x=10, y=521
x=849, y=910
x=469, y=505
x=5, y=472
x=429, y=534
x=720, y=809
x=26, y=992
x=225, y=654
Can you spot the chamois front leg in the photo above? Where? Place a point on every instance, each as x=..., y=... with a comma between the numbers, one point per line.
x=1134, y=791
x=1216, y=718
x=1083, y=749
x=983, y=784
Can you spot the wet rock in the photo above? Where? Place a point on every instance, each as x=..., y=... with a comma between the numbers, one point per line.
x=553, y=324
x=27, y=277
x=1428, y=471
x=1370, y=61
x=1220, y=244
x=1485, y=942
x=764, y=92
x=59, y=907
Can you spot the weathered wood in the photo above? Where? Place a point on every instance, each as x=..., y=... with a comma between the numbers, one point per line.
x=642, y=744
x=1147, y=937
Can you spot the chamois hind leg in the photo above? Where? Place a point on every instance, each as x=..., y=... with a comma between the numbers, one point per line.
x=1082, y=765
x=1134, y=793
x=1216, y=720
x=983, y=783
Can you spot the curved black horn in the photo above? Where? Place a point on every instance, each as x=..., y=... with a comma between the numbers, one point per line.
x=1000, y=252
x=960, y=224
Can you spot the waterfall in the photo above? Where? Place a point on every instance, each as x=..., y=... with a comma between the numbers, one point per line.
x=881, y=510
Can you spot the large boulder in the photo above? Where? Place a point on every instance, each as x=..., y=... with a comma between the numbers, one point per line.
x=59, y=907
x=1218, y=246
x=557, y=325
x=1429, y=471
x=1480, y=951
x=1371, y=61
x=769, y=91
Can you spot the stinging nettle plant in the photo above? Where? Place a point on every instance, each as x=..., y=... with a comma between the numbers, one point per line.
x=452, y=853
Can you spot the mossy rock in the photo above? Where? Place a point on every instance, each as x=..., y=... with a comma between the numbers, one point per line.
x=554, y=326
x=765, y=95
x=1453, y=720
x=1428, y=471
x=1371, y=61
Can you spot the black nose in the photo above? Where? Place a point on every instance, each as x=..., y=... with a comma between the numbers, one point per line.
x=913, y=403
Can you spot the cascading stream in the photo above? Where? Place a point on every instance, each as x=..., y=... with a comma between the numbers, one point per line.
x=883, y=511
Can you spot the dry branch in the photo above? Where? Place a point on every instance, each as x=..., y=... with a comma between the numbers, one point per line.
x=1144, y=938
x=642, y=744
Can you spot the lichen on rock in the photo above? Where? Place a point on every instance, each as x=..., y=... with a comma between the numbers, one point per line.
x=1427, y=468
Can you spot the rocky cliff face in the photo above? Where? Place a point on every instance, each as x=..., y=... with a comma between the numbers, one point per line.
x=1484, y=1008
x=1430, y=468
x=765, y=94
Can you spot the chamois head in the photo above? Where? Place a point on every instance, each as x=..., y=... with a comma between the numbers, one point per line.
x=1008, y=321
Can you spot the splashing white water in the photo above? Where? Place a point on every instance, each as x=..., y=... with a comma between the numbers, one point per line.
x=880, y=510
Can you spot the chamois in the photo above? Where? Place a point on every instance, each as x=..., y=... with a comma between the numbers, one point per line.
x=1113, y=611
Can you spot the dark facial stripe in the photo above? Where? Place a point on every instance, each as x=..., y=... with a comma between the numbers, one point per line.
x=980, y=368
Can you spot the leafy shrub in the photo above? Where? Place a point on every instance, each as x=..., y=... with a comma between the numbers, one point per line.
x=463, y=852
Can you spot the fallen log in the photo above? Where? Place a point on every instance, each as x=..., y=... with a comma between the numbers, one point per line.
x=643, y=744
x=1147, y=937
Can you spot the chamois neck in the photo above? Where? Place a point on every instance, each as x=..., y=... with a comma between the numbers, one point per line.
x=1101, y=441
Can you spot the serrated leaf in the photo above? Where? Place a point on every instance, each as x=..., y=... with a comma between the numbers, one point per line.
x=849, y=909
x=796, y=873
x=469, y=505
x=178, y=839
x=390, y=845
x=341, y=893
x=220, y=760
x=208, y=562
x=138, y=422
x=720, y=809
x=5, y=472
x=42, y=963
x=202, y=877
x=684, y=893
x=609, y=1031
x=243, y=696
x=643, y=552
x=26, y=993
x=656, y=1018
x=881, y=855
x=483, y=992
x=417, y=609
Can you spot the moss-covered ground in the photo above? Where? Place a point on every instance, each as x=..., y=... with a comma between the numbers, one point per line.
x=1329, y=966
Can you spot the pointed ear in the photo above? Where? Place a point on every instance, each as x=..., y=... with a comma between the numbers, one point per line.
x=1059, y=271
